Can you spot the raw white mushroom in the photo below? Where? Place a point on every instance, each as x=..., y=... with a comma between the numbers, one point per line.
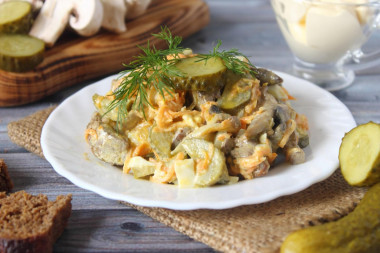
x=87, y=18
x=114, y=12
x=136, y=7
x=52, y=20
x=84, y=16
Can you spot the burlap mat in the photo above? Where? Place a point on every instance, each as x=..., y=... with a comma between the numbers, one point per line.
x=253, y=228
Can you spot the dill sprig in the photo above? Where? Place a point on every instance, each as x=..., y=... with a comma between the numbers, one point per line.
x=153, y=68
x=232, y=59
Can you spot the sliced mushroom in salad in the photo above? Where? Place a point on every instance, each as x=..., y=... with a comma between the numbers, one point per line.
x=200, y=120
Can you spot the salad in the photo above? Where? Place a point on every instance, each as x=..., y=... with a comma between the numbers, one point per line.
x=195, y=120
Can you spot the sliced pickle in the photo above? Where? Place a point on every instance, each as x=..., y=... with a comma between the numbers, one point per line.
x=359, y=155
x=20, y=52
x=236, y=94
x=198, y=149
x=200, y=74
x=160, y=142
x=15, y=17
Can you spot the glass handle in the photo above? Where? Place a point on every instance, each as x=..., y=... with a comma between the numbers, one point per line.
x=366, y=60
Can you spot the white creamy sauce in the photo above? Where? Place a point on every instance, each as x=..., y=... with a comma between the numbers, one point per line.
x=319, y=33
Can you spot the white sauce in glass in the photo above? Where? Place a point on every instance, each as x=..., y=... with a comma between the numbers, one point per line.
x=322, y=33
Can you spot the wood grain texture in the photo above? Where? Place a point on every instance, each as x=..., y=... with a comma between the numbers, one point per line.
x=76, y=59
x=102, y=225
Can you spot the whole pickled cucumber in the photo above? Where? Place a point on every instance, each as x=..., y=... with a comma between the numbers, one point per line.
x=358, y=232
x=359, y=155
x=198, y=74
x=20, y=52
x=15, y=17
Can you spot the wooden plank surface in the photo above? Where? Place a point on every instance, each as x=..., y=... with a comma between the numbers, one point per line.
x=77, y=59
x=101, y=225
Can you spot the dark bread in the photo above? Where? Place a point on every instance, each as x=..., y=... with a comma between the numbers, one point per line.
x=5, y=181
x=31, y=223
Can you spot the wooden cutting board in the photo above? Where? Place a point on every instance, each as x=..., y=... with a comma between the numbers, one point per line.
x=77, y=59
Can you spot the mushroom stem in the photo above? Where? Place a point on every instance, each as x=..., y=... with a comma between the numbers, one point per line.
x=51, y=21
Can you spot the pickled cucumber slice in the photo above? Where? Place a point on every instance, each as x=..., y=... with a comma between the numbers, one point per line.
x=359, y=155
x=160, y=142
x=198, y=149
x=20, y=52
x=236, y=94
x=199, y=74
x=359, y=231
x=15, y=17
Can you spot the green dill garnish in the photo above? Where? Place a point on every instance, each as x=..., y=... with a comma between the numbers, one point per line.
x=153, y=68
x=231, y=60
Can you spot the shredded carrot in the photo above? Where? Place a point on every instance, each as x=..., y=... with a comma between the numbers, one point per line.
x=246, y=120
x=255, y=94
x=233, y=169
x=203, y=164
x=91, y=132
x=290, y=97
x=271, y=157
x=247, y=165
x=222, y=137
x=163, y=174
x=142, y=149
x=243, y=123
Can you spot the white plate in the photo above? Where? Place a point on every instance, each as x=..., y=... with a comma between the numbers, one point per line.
x=65, y=148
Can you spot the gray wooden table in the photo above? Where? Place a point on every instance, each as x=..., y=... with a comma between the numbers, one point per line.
x=101, y=225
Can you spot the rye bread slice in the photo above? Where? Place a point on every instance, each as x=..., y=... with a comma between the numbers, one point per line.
x=5, y=181
x=31, y=223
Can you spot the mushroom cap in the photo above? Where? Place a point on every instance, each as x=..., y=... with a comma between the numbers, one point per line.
x=114, y=15
x=87, y=16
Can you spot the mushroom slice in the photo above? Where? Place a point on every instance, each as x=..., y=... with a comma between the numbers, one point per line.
x=106, y=144
x=136, y=7
x=51, y=21
x=87, y=18
x=114, y=15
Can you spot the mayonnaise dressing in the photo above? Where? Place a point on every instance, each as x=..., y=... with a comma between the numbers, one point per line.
x=322, y=33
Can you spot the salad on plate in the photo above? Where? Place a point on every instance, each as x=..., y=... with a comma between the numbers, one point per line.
x=195, y=120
